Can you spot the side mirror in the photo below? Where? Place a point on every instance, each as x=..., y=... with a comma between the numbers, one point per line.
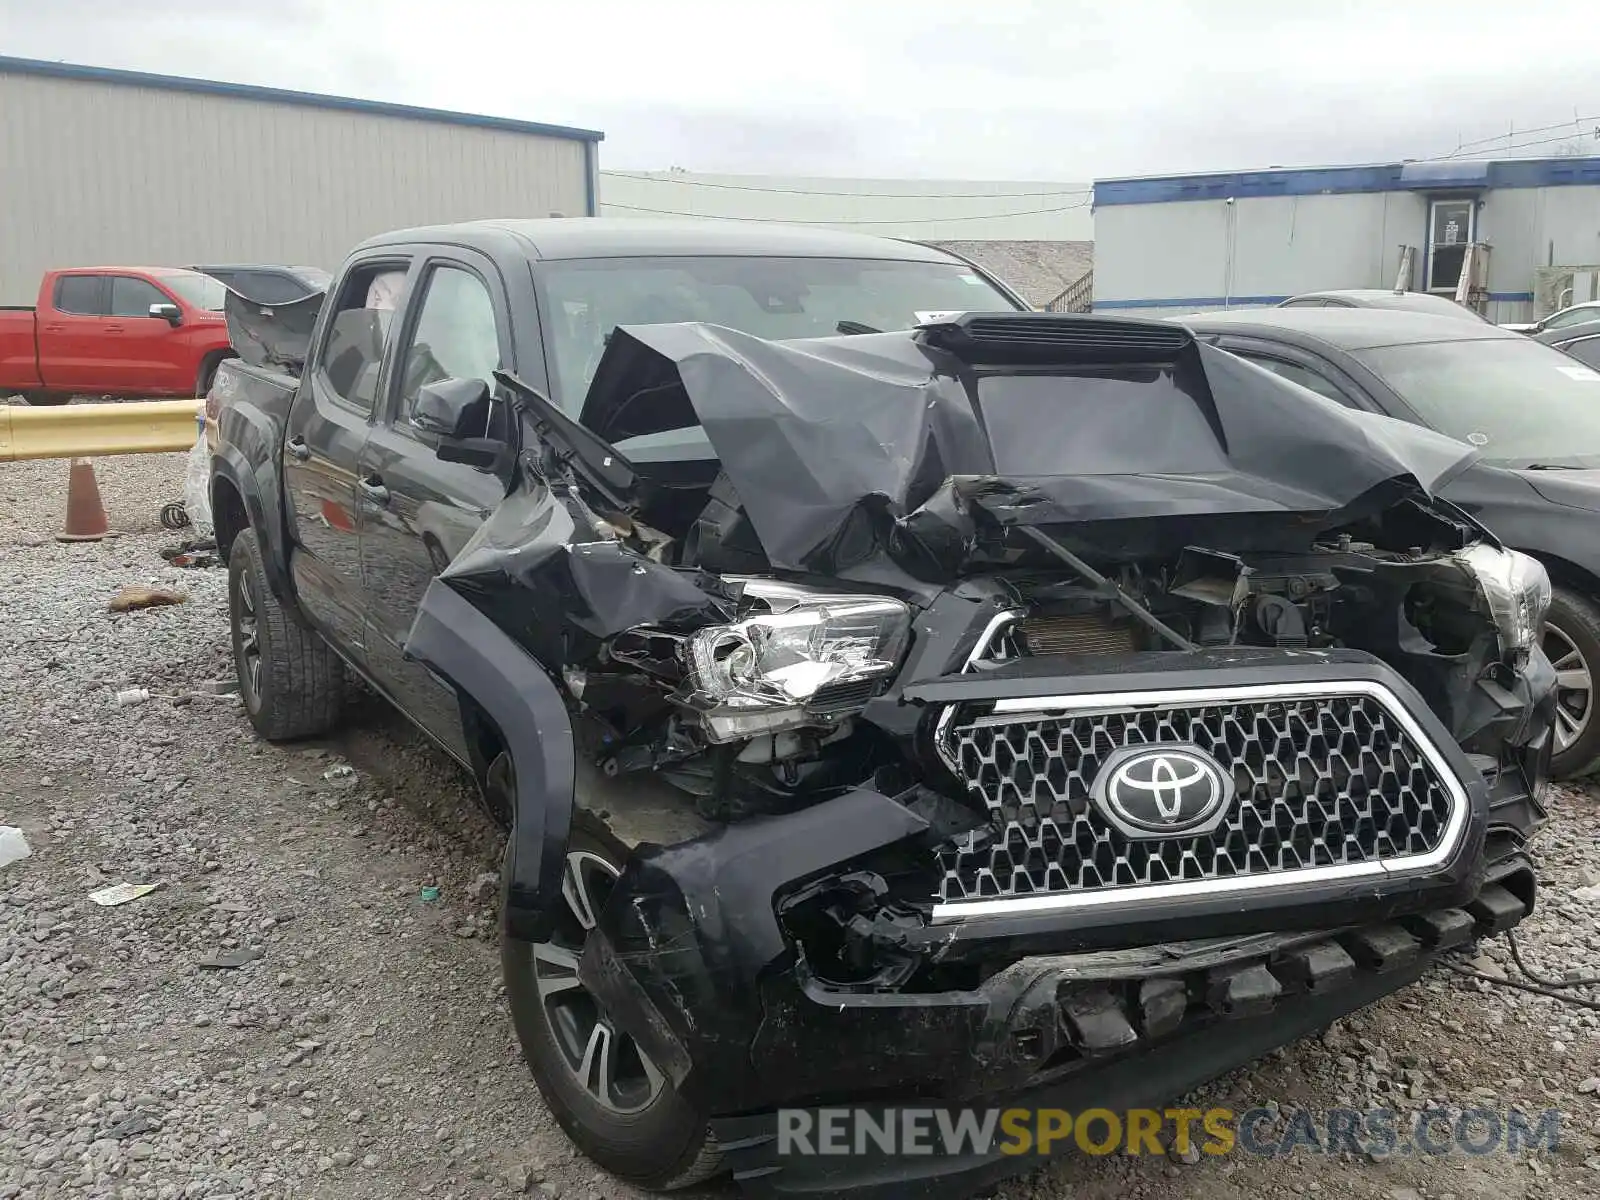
x=457, y=412
x=453, y=408
x=170, y=313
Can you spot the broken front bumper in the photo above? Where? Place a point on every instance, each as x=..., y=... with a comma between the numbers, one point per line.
x=1103, y=1029
x=698, y=957
x=1137, y=1052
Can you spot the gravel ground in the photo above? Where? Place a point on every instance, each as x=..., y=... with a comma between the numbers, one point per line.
x=364, y=1051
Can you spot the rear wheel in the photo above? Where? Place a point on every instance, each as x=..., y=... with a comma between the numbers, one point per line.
x=291, y=681
x=1572, y=644
x=611, y=1100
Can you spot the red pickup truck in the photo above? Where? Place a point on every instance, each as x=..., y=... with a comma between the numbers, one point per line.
x=114, y=331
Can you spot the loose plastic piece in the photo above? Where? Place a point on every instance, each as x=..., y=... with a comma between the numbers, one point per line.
x=13, y=846
x=121, y=893
x=430, y=893
x=228, y=960
x=197, y=482
x=132, y=696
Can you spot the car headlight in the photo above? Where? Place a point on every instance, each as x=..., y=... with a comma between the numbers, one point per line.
x=1517, y=590
x=778, y=670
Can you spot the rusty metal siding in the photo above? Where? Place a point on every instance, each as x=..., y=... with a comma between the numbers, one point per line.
x=107, y=172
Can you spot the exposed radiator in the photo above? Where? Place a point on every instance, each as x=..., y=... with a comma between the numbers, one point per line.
x=1077, y=633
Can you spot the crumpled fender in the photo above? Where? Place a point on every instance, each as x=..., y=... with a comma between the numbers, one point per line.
x=691, y=930
x=459, y=643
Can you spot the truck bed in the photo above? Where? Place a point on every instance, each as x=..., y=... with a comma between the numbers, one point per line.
x=19, y=349
x=247, y=395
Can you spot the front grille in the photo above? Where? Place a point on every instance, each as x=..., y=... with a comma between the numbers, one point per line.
x=1338, y=781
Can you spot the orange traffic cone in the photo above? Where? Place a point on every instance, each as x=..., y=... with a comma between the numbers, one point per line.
x=86, y=515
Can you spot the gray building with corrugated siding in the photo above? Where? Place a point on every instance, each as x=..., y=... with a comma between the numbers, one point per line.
x=1526, y=231
x=120, y=167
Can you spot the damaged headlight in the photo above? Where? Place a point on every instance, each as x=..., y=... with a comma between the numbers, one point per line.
x=1516, y=589
x=777, y=670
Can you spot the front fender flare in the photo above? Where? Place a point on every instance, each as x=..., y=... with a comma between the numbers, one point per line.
x=466, y=648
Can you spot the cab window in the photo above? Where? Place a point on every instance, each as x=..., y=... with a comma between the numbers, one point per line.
x=454, y=335
x=357, y=331
x=132, y=297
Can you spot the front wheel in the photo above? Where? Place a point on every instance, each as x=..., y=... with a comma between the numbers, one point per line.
x=1572, y=644
x=612, y=1101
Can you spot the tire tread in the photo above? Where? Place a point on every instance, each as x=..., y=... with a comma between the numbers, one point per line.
x=303, y=679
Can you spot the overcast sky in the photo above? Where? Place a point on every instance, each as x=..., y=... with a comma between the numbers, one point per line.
x=1003, y=89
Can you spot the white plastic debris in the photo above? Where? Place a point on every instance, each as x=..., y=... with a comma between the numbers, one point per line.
x=341, y=775
x=197, y=483
x=131, y=696
x=121, y=893
x=13, y=846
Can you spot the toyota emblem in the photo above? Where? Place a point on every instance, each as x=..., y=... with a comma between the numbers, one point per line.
x=1162, y=790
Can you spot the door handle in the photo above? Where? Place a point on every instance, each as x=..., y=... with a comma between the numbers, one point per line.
x=372, y=488
x=298, y=448
x=114, y=329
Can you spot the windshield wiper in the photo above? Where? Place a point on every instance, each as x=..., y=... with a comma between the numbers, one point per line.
x=1544, y=466
x=855, y=327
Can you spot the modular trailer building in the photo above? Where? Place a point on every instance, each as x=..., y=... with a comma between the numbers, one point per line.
x=102, y=166
x=1527, y=231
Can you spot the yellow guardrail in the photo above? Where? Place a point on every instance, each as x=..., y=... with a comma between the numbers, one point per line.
x=73, y=430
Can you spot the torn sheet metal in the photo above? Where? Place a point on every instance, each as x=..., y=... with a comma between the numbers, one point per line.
x=559, y=590
x=848, y=453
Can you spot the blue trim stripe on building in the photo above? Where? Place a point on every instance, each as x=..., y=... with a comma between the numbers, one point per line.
x=1332, y=181
x=1253, y=301
x=245, y=91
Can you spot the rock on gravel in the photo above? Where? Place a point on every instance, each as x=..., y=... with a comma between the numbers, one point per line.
x=286, y=1016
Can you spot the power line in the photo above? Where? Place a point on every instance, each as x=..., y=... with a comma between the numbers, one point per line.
x=1575, y=127
x=671, y=212
x=1516, y=133
x=1575, y=135
x=780, y=191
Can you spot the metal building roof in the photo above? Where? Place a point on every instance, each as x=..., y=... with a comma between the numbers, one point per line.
x=245, y=91
x=1437, y=175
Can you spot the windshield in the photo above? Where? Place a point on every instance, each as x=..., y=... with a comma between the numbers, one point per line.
x=201, y=291
x=773, y=298
x=1521, y=403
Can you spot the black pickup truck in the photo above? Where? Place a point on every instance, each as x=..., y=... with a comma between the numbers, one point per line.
x=892, y=696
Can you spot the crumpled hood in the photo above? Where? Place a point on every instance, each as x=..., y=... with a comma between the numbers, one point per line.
x=845, y=452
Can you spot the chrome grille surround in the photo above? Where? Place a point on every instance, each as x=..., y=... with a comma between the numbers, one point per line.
x=1369, y=795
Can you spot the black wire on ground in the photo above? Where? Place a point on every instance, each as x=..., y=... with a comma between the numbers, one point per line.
x=1536, y=988
x=1516, y=957
x=174, y=515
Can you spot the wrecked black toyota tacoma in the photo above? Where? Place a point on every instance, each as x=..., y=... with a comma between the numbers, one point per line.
x=891, y=696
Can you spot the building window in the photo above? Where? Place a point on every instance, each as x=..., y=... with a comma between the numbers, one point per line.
x=1450, y=232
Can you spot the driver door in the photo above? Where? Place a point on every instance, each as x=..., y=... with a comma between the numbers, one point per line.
x=418, y=512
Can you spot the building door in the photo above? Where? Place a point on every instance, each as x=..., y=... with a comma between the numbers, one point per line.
x=1450, y=231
